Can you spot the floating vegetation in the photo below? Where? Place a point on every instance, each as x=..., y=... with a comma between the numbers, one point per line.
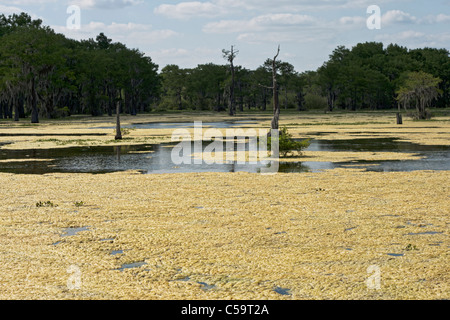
x=235, y=235
x=411, y=247
x=79, y=204
x=47, y=204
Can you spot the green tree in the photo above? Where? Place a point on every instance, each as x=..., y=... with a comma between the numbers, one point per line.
x=33, y=55
x=173, y=84
x=419, y=89
x=436, y=62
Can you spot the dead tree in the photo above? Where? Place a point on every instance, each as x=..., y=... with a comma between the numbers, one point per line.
x=274, y=88
x=118, y=129
x=230, y=56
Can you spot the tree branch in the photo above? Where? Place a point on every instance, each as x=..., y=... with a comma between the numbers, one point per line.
x=278, y=53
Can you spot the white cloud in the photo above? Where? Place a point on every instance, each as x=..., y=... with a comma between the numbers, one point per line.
x=260, y=23
x=7, y=10
x=187, y=58
x=187, y=10
x=10, y=10
x=397, y=16
x=104, y=4
x=400, y=17
x=417, y=39
x=131, y=34
x=283, y=37
x=353, y=21
x=433, y=19
x=28, y=2
x=216, y=8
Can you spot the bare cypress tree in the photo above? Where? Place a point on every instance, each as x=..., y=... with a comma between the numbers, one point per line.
x=276, y=104
x=274, y=88
x=118, y=129
x=230, y=56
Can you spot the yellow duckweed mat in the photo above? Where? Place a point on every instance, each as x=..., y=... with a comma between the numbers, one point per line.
x=339, y=234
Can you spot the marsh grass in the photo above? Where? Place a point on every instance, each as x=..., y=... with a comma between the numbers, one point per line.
x=79, y=204
x=47, y=204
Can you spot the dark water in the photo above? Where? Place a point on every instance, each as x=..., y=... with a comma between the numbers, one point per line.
x=436, y=157
x=132, y=265
x=282, y=291
x=154, y=159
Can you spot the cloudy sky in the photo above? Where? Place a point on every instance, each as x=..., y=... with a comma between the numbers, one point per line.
x=188, y=33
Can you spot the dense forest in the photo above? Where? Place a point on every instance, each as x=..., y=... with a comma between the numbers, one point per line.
x=45, y=74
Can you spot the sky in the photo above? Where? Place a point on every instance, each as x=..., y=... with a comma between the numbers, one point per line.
x=189, y=33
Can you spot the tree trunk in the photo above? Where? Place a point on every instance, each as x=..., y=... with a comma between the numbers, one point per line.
x=230, y=55
x=286, y=99
x=232, y=110
x=34, y=110
x=330, y=100
x=399, y=116
x=276, y=107
x=241, y=98
x=218, y=103
x=180, y=101
x=423, y=113
x=16, y=110
x=110, y=102
x=300, y=101
x=133, y=110
x=276, y=104
x=21, y=109
x=127, y=109
x=118, y=129
x=264, y=108
x=9, y=109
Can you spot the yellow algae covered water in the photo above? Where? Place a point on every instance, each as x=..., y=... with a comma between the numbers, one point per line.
x=337, y=234
x=82, y=131
x=340, y=234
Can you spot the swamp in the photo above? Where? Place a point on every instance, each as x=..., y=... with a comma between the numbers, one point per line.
x=366, y=199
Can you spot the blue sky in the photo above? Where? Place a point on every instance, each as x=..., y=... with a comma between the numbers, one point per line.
x=188, y=33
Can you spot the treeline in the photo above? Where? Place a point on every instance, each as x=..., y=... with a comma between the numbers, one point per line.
x=368, y=76
x=208, y=86
x=44, y=74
